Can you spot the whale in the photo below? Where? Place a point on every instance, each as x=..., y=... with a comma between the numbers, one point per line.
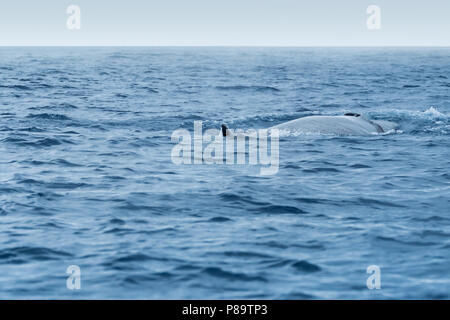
x=343, y=125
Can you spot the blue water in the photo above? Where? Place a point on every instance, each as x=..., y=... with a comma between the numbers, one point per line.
x=86, y=176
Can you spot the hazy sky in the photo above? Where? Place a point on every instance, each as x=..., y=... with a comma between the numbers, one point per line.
x=226, y=22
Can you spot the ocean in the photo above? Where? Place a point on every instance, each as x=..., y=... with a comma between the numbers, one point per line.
x=87, y=178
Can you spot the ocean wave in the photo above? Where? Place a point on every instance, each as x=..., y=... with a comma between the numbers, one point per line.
x=217, y=272
x=405, y=114
x=306, y=266
x=36, y=143
x=278, y=209
x=220, y=219
x=240, y=199
x=49, y=116
x=248, y=88
x=25, y=254
x=61, y=106
x=17, y=87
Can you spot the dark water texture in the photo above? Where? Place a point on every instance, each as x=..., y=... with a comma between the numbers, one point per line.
x=86, y=176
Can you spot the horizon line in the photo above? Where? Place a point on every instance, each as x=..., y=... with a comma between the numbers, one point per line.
x=223, y=46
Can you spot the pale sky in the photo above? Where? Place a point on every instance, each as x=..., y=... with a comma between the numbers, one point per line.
x=226, y=22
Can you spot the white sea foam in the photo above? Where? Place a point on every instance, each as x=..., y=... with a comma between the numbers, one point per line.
x=433, y=112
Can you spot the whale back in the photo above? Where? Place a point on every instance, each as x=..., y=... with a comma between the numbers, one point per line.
x=386, y=125
x=338, y=125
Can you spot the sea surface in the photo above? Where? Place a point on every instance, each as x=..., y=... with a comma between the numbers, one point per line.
x=87, y=179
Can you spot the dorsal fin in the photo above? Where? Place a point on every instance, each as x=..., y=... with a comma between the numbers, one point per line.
x=352, y=114
x=224, y=130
